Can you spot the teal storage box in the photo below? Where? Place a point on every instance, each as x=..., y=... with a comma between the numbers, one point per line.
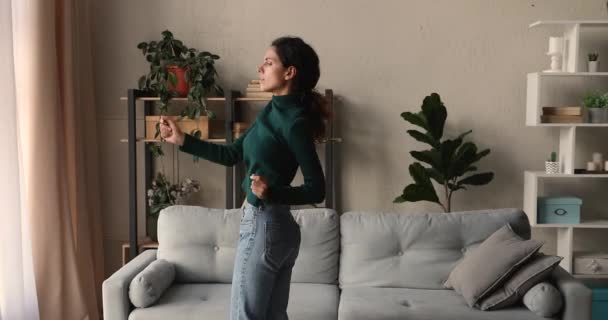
x=599, y=306
x=559, y=210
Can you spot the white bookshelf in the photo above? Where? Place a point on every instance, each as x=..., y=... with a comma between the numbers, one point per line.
x=566, y=88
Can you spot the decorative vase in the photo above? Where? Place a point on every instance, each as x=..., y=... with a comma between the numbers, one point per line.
x=551, y=167
x=598, y=115
x=182, y=86
x=594, y=66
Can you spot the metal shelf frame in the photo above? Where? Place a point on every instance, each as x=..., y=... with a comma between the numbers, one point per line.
x=234, y=194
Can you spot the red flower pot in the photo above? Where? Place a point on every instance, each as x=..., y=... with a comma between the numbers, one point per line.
x=182, y=86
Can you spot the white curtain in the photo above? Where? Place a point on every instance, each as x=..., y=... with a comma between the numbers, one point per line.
x=17, y=287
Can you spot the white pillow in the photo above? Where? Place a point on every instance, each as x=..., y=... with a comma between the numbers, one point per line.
x=544, y=299
x=148, y=285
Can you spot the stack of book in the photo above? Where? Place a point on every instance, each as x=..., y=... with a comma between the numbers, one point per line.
x=254, y=91
x=567, y=114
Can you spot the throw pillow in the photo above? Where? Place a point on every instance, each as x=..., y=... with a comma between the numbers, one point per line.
x=484, y=269
x=544, y=299
x=148, y=285
x=534, y=271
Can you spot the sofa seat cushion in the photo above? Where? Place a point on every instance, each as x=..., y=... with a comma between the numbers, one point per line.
x=366, y=303
x=212, y=301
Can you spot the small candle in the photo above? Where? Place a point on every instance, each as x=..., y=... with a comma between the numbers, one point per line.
x=599, y=161
x=591, y=166
x=556, y=44
x=606, y=166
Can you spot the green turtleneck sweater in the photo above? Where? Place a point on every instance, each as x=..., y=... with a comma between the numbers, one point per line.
x=277, y=142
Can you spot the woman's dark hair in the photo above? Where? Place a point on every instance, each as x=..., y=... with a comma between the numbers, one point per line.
x=293, y=51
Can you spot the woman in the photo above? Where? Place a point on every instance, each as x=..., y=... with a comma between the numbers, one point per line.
x=281, y=139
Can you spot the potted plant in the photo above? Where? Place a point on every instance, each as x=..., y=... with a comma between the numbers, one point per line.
x=596, y=105
x=551, y=165
x=164, y=194
x=177, y=70
x=593, y=62
x=449, y=159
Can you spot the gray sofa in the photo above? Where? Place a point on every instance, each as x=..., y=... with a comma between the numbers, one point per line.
x=360, y=265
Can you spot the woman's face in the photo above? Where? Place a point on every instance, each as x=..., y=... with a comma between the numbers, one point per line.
x=274, y=77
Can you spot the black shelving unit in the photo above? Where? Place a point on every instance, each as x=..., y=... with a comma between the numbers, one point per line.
x=234, y=194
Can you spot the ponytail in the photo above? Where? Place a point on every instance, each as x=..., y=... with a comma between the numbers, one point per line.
x=318, y=112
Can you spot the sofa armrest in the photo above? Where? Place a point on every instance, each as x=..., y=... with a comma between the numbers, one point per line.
x=577, y=296
x=115, y=289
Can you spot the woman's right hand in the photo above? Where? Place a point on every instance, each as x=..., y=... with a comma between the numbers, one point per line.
x=170, y=132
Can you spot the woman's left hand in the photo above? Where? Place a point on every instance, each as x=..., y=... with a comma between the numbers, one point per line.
x=259, y=186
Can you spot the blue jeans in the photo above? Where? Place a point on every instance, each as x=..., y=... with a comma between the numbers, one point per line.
x=269, y=243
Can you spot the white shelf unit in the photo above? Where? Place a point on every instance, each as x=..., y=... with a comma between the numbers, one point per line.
x=566, y=88
x=560, y=89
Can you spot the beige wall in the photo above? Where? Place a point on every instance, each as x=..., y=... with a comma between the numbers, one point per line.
x=380, y=58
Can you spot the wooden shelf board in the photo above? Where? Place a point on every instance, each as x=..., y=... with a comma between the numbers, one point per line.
x=158, y=140
x=333, y=140
x=252, y=99
x=143, y=244
x=172, y=99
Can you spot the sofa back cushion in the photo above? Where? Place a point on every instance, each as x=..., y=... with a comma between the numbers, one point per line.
x=201, y=243
x=415, y=250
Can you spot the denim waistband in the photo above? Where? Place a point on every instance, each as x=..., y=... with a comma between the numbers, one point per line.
x=266, y=206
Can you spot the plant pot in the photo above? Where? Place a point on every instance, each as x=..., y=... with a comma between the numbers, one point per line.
x=185, y=124
x=151, y=227
x=551, y=167
x=182, y=86
x=593, y=66
x=598, y=115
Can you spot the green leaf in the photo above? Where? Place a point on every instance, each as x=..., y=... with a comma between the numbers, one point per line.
x=142, y=45
x=435, y=114
x=157, y=134
x=448, y=150
x=141, y=83
x=481, y=155
x=414, y=193
x=418, y=172
x=167, y=34
x=432, y=157
x=172, y=79
x=211, y=115
x=156, y=150
x=423, y=138
x=399, y=199
x=463, y=159
x=435, y=175
x=416, y=119
x=477, y=179
x=464, y=134
x=456, y=187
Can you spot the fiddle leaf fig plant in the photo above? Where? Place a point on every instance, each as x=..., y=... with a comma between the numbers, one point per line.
x=450, y=162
